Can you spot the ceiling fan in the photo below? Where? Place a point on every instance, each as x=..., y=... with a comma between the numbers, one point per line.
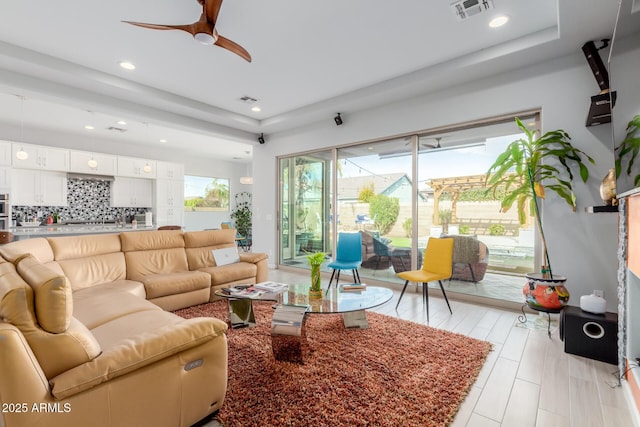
x=204, y=30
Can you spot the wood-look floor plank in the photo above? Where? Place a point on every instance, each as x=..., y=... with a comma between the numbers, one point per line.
x=554, y=386
x=496, y=392
x=549, y=419
x=532, y=362
x=585, y=407
x=480, y=421
x=466, y=408
x=522, y=408
x=502, y=327
x=514, y=344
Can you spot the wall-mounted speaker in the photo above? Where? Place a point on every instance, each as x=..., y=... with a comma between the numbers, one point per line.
x=590, y=335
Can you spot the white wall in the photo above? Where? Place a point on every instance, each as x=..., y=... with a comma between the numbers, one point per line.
x=582, y=246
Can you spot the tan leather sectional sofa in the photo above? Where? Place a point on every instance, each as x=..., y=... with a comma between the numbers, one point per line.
x=86, y=336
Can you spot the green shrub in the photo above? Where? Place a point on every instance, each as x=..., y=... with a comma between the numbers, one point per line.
x=464, y=229
x=384, y=210
x=366, y=193
x=497, y=230
x=406, y=226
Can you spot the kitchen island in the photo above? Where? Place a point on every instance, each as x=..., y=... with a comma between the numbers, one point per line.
x=57, y=230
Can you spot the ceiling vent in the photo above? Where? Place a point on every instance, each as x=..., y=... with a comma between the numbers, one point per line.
x=116, y=129
x=467, y=8
x=248, y=99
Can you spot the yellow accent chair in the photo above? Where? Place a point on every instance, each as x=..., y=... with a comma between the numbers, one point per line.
x=437, y=265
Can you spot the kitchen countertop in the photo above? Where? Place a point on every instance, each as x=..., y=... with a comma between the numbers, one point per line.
x=72, y=229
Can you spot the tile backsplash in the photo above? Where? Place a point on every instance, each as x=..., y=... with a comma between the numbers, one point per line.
x=87, y=200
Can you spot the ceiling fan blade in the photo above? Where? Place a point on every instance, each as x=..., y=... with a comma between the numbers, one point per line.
x=233, y=47
x=188, y=28
x=211, y=8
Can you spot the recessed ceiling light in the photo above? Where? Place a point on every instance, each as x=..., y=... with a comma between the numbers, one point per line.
x=127, y=65
x=163, y=140
x=89, y=127
x=498, y=21
x=122, y=122
x=256, y=109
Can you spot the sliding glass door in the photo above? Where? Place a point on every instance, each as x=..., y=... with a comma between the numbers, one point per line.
x=399, y=192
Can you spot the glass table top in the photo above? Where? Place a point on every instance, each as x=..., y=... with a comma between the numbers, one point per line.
x=334, y=301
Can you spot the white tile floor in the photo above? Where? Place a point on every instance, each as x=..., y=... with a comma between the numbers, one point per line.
x=528, y=379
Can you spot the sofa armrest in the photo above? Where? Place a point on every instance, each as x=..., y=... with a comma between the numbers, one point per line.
x=251, y=257
x=136, y=353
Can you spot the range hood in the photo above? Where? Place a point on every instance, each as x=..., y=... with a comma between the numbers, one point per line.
x=90, y=177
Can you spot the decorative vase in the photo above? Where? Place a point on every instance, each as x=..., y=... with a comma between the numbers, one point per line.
x=315, y=291
x=608, y=188
x=545, y=293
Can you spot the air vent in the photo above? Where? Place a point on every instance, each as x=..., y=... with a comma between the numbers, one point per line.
x=116, y=129
x=467, y=8
x=248, y=99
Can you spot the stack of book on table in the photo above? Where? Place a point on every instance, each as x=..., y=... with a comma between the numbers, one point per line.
x=271, y=286
x=243, y=291
x=288, y=319
x=353, y=287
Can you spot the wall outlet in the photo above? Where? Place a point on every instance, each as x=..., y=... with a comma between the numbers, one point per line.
x=598, y=293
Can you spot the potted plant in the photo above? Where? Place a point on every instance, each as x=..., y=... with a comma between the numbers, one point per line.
x=629, y=146
x=315, y=261
x=241, y=215
x=527, y=168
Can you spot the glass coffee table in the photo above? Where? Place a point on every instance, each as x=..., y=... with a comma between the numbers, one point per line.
x=292, y=306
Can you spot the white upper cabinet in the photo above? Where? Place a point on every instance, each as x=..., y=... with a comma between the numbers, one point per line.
x=5, y=153
x=38, y=188
x=168, y=170
x=132, y=192
x=39, y=157
x=92, y=163
x=136, y=168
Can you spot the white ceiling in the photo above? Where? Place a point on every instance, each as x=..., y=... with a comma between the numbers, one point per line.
x=311, y=59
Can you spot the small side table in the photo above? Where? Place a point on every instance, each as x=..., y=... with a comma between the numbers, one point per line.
x=549, y=311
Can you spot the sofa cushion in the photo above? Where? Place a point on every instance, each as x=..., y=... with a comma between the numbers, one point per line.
x=38, y=247
x=94, y=269
x=232, y=273
x=55, y=353
x=160, y=285
x=199, y=245
x=138, y=348
x=98, y=305
x=150, y=240
x=53, y=301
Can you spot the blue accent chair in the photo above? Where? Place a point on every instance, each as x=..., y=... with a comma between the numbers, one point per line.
x=348, y=257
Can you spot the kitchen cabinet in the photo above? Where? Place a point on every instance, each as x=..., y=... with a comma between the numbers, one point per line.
x=40, y=157
x=136, y=168
x=168, y=170
x=105, y=163
x=5, y=153
x=38, y=188
x=132, y=192
x=169, y=202
x=5, y=180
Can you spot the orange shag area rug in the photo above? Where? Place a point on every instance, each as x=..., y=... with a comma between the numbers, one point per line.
x=393, y=373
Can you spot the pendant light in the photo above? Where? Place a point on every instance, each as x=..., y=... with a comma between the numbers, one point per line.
x=92, y=163
x=21, y=154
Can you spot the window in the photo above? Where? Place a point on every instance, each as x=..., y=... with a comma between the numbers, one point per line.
x=205, y=194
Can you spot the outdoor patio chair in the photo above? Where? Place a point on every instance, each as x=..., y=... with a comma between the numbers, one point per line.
x=348, y=257
x=381, y=249
x=437, y=265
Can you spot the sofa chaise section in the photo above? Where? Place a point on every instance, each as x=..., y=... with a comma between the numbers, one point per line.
x=134, y=365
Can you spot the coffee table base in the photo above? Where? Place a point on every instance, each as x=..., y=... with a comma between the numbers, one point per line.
x=241, y=313
x=288, y=335
x=355, y=320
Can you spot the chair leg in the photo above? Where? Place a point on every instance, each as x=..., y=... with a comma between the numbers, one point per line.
x=473, y=276
x=445, y=296
x=331, y=280
x=402, y=293
x=357, y=273
x=425, y=296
